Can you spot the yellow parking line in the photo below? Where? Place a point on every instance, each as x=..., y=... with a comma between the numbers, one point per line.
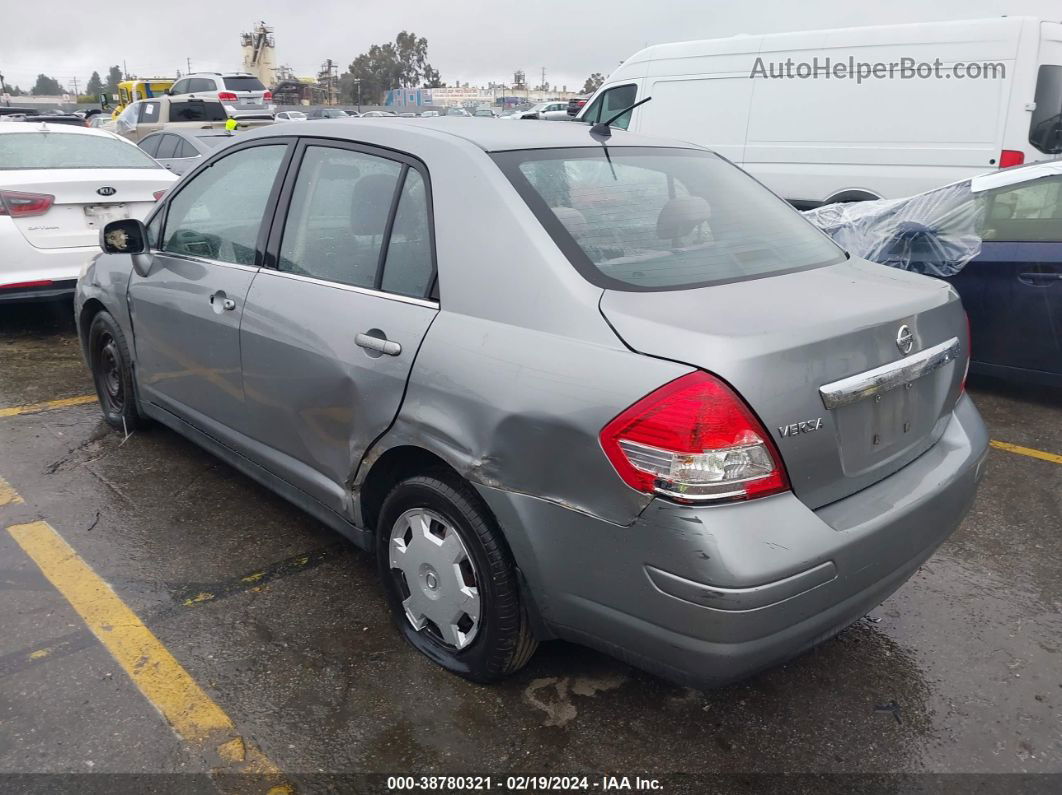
x=1032, y=452
x=164, y=682
x=47, y=405
x=8, y=495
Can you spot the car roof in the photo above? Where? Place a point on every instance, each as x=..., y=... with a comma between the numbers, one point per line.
x=1013, y=176
x=487, y=136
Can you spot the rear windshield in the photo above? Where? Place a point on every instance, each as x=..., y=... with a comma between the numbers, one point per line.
x=662, y=219
x=68, y=150
x=197, y=110
x=243, y=84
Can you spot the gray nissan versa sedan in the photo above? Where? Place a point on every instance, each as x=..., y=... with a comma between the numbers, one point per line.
x=606, y=389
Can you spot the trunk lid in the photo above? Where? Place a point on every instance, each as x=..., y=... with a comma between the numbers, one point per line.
x=80, y=210
x=779, y=340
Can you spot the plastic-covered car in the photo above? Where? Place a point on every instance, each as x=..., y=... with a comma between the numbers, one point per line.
x=997, y=238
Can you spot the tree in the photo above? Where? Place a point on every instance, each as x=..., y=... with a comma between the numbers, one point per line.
x=46, y=86
x=114, y=77
x=399, y=64
x=593, y=83
x=94, y=86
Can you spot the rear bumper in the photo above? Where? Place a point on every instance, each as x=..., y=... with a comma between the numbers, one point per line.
x=21, y=263
x=56, y=291
x=707, y=595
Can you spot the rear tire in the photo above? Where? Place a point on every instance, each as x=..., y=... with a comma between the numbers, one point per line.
x=478, y=627
x=112, y=373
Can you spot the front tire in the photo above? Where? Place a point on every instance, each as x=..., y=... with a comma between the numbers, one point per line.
x=450, y=580
x=112, y=373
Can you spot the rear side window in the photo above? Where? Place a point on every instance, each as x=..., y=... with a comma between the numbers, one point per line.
x=149, y=112
x=197, y=110
x=185, y=149
x=639, y=218
x=247, y=83
x=217, y=215
x=151, y=144
x=337, y=221
x=408, y=268
x=69, y=150
x=1045, y=126
x=168, y=147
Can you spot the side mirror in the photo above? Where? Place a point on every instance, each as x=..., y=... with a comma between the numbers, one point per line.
x=128, y=236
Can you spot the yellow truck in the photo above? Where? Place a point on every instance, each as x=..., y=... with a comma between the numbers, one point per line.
x=141, y=88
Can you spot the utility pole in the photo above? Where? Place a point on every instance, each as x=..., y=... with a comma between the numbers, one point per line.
x=3, y=88
x=76, y=92
x=125, y=72
x=188, y=63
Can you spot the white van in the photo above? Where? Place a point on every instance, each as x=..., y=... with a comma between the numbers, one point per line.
x=832, y=115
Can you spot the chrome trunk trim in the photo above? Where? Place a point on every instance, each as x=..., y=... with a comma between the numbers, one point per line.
x=889, y=376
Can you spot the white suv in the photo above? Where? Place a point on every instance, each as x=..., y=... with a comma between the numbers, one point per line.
x=241, y=93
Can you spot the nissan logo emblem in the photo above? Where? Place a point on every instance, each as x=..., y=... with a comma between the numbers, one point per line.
x=106, y=190
x=904, y=340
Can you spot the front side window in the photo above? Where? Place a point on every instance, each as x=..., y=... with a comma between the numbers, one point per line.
x=70, y=150
x=217, y=215
x=337, y=222
x=1031, y=212
x=641, y=218
x=610, y=103
x=1045, y=125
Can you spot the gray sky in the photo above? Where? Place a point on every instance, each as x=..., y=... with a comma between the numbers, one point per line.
x=468, y=40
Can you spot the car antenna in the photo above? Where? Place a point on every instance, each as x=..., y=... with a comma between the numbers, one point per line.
x=602, y=128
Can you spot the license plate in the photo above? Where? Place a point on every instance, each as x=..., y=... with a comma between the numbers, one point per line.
x=103, y=214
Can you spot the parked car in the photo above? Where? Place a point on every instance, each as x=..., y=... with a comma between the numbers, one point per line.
x=59, y=186
x=240, y=92
x=841, y=137
x=576, y=104
x=484, y=113
x=537, y=111
x=429, y=114
x=290, y=115
x=140, y=119
x=997, y=239
x=408, y=115
x=459, y=112
x=652, y=411
x=377, y=114
x=327, y=113
x=182, y=150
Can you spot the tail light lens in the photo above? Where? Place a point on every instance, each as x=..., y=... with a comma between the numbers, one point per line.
x=226, y=96
x=1011, y=157
x=267, y=96
x=23, y=205
x=159, y=194
x=694, y=440
x=18, y=285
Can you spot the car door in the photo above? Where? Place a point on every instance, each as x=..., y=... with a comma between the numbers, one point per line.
x=186, y=312
x=331, y=326
x=1013, y=289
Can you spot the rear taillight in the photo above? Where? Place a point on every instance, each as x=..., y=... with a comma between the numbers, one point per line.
x=226, y=96
x=1011, y=157
x=23, y=205
x=694, y=440
x=158, y=194
x=267, y=96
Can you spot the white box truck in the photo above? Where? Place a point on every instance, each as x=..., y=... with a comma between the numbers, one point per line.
x=854, y=113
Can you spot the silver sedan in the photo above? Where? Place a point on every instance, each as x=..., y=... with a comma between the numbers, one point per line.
x=565, y=382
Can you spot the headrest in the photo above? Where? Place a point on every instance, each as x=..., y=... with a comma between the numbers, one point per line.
x=682, y=215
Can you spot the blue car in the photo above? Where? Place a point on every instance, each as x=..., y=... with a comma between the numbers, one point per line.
x=998, y=239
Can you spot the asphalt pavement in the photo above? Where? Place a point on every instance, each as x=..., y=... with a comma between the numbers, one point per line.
x=167, y=619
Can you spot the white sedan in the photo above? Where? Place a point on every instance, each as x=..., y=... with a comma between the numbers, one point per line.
x=59, y=186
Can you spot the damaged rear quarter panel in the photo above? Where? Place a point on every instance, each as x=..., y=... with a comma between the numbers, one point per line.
x=520, y=410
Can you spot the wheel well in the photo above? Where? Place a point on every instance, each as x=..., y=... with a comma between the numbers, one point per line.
x=852, y=196
x=395, y=465
x=91, y=308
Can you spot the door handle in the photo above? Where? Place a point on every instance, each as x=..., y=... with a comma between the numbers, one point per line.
x=1039, y=278
x=378, y=344
x=227, y=304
